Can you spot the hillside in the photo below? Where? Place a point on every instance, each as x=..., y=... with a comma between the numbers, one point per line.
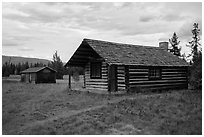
x=16, y=60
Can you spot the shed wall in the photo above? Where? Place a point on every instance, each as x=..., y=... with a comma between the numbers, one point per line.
x=27, y=78
x=45, y=77
x=33, y=77
x=100, y=83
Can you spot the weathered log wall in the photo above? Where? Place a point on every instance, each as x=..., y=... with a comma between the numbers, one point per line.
x=121, y=78
x=171, y=78
x=138, y=76
x=100, y=83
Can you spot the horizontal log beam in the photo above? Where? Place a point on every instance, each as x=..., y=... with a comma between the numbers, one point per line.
x=95, y=79
x=132, y=80
x=141, y=76
x=139, y=70
x=96, y=88
x=157, y=81
x=158, y=86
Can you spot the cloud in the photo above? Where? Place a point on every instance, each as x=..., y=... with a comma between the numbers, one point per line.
x=173, y=17
x=26, y=49
x=9, y=44
x=185, y=30
x=147, y=18
x=51, y=25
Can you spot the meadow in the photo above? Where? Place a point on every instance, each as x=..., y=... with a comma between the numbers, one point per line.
x=54, y=109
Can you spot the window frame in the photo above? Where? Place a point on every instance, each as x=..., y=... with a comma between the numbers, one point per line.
x=93, y=65
x=156, y=71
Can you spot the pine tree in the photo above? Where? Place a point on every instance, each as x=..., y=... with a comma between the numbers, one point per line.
x=196, y=68
x=194, y=43
x=174, y=43
x=57, y=64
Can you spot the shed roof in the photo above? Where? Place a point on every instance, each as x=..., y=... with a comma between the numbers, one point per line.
x=36, y=69
x=124, y=54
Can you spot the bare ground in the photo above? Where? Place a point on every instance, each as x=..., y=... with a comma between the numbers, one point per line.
x=53, y=109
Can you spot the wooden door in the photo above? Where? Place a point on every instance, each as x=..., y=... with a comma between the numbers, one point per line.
x=112, y=76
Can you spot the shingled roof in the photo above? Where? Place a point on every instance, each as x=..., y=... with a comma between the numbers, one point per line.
x=124, y=54
x=35, y=69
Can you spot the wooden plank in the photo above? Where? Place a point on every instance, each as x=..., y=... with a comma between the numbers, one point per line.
x=165, y=87
x=156, y=82
x=121, y=71
x=139, y=70
x=121, y=67
x=173, y=78
x=96, y=80
x=88, y=76
x=104, y=69
x=121, y=78
x=138, y=77
x=104, y=64
x=121, y=85
x=140, y=73
x=97, y=86
x=173, y=73
x=174, y=70
x=93, y=88
x=144, y=79
x=161, y=85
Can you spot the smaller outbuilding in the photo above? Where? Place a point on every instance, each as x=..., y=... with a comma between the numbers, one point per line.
x=39, y=75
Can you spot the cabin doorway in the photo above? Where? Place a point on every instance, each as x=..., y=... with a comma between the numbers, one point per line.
x=113, y=78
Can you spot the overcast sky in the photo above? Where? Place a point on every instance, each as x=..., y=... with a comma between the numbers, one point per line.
x=39, y=29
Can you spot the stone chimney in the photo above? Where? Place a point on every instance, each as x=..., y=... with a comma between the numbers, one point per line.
x=164, y=45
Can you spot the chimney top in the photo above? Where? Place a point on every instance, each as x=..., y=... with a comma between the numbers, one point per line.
x=164, y=45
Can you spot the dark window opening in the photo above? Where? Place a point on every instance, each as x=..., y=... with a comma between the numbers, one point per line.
x=95, y=70
x=154, y=73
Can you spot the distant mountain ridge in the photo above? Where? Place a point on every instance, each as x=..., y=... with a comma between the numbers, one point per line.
x=18, y=59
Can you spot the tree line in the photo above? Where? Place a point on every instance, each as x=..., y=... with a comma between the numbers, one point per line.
x=57, y=64
x=15, y=69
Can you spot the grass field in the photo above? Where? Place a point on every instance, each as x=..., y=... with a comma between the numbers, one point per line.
x=53, y=109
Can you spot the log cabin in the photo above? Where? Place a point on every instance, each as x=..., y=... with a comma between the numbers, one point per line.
x=115, y=67
x=39, y=75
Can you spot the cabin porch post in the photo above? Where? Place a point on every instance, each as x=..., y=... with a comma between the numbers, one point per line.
x=127, y=78
x=69, y=82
